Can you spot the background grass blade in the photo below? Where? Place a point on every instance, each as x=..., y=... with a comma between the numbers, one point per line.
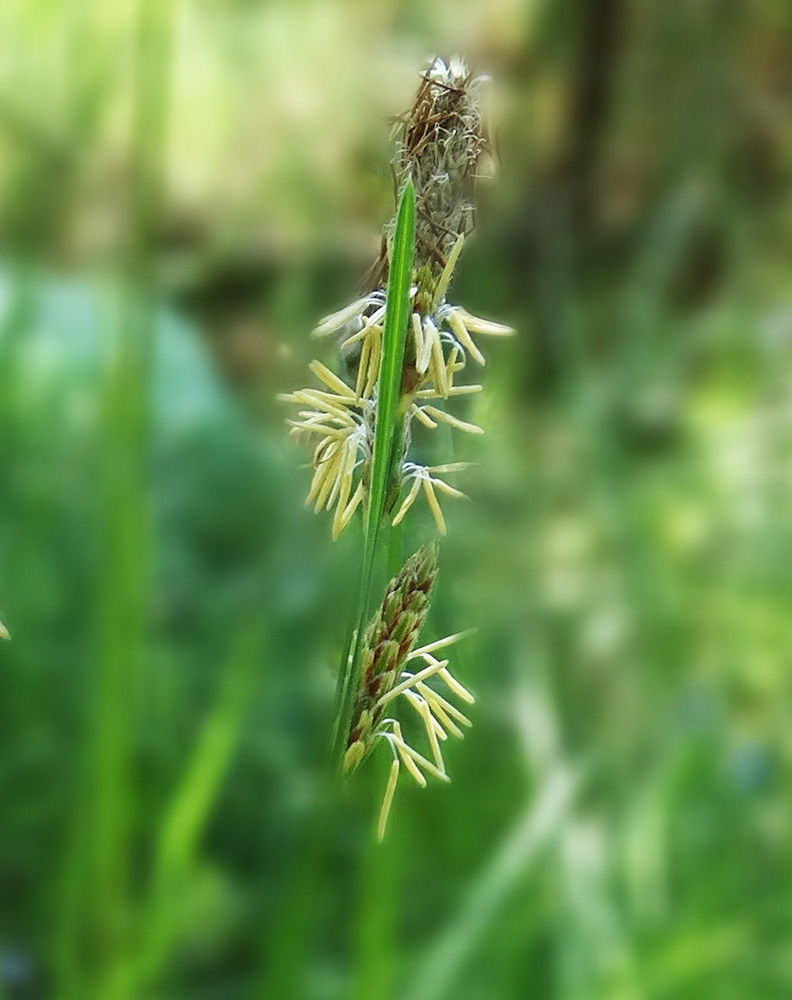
x=445, y=960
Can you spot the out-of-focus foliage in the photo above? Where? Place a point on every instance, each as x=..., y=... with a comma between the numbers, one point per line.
x=619, y=819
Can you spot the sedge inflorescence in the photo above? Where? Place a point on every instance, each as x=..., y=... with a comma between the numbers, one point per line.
x=439, y=143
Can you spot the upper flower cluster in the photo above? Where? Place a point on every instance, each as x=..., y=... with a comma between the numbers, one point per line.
x=439, y=143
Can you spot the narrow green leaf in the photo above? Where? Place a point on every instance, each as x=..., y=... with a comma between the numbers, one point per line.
x=386, y=440
x=396, y=316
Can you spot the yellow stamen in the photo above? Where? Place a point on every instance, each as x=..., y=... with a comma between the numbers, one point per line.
x=422, y=417
x=374, y=361
x=350, y=509
x=407, y=760
x=460, y=331
x=427, y=765
x=362, y=373
x=434, y=506
x=446, y=720
x=421, y=352
x=449, y=640
x=459, y=689
x=414, y=699
x=329, y=324
x=455, y=390
x=477, y=325
x=438, y=366
x=429, y=722
x=310, y=428
x=461, y=425
x=448, y=270
x=411, y=681
x=331, y=467
x=387, y=800
x=408, y=502
x=445, y=488
x=438, y=701
x=332, y=381
x=450, y=467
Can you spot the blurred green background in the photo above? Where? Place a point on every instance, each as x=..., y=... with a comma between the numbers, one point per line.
x=185, y=187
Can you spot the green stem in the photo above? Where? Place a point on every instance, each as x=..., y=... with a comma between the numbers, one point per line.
x=386, y=445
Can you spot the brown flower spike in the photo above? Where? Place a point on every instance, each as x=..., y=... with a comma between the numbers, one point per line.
x=386, y=677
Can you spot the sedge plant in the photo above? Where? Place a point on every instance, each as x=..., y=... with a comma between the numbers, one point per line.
x=403, y=345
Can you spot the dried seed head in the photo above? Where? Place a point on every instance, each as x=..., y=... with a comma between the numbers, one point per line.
x=439, y=146
x=439, y=142
x=388, y=642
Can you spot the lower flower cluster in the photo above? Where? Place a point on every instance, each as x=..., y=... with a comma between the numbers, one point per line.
x=388, y=679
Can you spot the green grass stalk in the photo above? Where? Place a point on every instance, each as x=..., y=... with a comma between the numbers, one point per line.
x=99, y=916
x=386, y=443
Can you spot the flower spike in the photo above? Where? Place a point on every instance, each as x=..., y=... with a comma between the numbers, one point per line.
x=386, y=679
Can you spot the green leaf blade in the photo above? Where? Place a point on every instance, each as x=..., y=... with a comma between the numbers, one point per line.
x=390, y=374
x=387, y=430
